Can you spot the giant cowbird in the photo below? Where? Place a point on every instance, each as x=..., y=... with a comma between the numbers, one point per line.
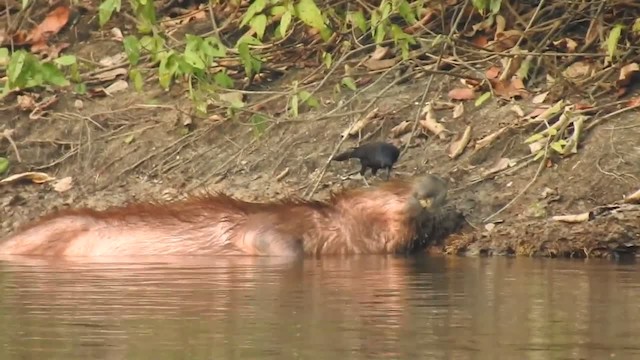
x=374, y=155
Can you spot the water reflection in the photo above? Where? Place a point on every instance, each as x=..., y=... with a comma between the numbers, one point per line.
x=367, y=307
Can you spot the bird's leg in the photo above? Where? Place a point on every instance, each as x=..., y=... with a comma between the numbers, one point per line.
x=388, y=173
x=363, y=170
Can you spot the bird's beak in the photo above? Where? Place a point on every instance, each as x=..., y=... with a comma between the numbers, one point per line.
x=425, y=203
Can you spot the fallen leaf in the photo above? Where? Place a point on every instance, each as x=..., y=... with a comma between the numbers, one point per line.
x=26, y=102
x=111, y=74
x=51, y=24
x=35, y=177
x=117, y=34
x=633, y=198
x=458, y=110
x=572, y=218
x=539, y=99
x=489, y=139
x=567, y=44
x=578, y=70
x=634, y=101
x=430, y=123
x=499, y=165
x=536, y=112
x=117, y=86
x=373, y=64
x=233, y=98
x=78, y=104
x=480, y=40
x=380, y=52
x=360, y=124
x=462, y=94
x=402, y=128
x=457, y=147
x=627, y=73
x=113, y=60
x=536, y=146
x=492, y=73
x=63, y=184
x=509, y=89
x=504, y=40
x=490, y=226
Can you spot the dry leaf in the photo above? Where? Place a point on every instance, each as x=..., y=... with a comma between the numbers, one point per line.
x=633, y=198
x=430, y=123
x=360, y=124
x=627, y=73
x=119, y=85
x=35, y=177
x=509, y=89
x=457, y=147
x=568, y=44
x=572, y=218
x=402, y=128
x=380, y=52
x=63, y=184
x=78, y=104
x=458, y=110
x=489, y=139
x=499, y=165
x=492, y=73
x=114, y=60
x=539, y=99
x=117, y=34
x=490, y=226
x=26, y=102
x=462, y=94
x=578, y=70
x=537, y=146
x=111, y=74
x=51, y=24
x=373, y=64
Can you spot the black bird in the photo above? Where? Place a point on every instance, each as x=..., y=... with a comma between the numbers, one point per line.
x=374, y=155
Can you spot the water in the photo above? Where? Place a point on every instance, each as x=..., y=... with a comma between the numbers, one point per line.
x=357, y=308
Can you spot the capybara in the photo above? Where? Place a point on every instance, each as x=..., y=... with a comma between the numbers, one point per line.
x=377, y=220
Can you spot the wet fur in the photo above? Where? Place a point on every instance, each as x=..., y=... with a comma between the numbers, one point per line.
x=384, y=219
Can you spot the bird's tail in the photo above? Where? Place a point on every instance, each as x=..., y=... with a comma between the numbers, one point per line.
x=343, y=156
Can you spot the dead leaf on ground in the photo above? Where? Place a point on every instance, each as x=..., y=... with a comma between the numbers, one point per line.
x=480, y=40
x=634, y=101
x=199, y=14
x=493, y=72
x=63, y=184
x=380, y=53
x=430, y=124
x=113, y=60
x=627, y=73
x=539, y=99
x=499, y=165
x=633, y=198
x=579, y=70
x=111, y=74
x=26, y=102
x=489, y=139
x=509, y=89
x=400, y=129
x=372, y=64
x=504, y=40
x=566, y=44
x=35, y=177
x=457, y=147
x=458, y=110
x=51, y=25
x=117, y=86
x=534, y=147
x=462, y=94
x=572, y=218
x=360, y=124
x=117, y=34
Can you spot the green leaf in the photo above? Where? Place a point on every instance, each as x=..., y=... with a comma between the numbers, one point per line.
x=327, y=59
x=484, y=97
x=16, y=64
x=534, y=138
x=4, y=165
x=285, y=21
x=213, y=47
x=136, y=76
x=4, y=57
x=106, y=9
x=259, y=123
x=357, y=18
x=223, y=80
x=406, y=12
x=310, y=14
x=539, y=154
x=306, y=98
x=278, y=10
x=349, y=82
x=557, y=146
x=636, y=26
x=65, y=60
x=494, y=6
x=52, y=75
x=259, y=24
x=255, y=8
x=129, y=139
x=132, y=49
x=613, y=39
x=294, y=105
x=380, y=33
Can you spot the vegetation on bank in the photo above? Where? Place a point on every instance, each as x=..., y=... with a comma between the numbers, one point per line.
x=574, y=61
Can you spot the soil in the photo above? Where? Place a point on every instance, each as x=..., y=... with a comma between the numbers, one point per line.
x=132, y=146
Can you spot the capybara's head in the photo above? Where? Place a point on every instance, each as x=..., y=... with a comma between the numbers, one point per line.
x=429, y=193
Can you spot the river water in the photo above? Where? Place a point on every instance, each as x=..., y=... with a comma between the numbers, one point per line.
x=354, y=308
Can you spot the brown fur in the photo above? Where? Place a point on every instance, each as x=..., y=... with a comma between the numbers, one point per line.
x=384, y=219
